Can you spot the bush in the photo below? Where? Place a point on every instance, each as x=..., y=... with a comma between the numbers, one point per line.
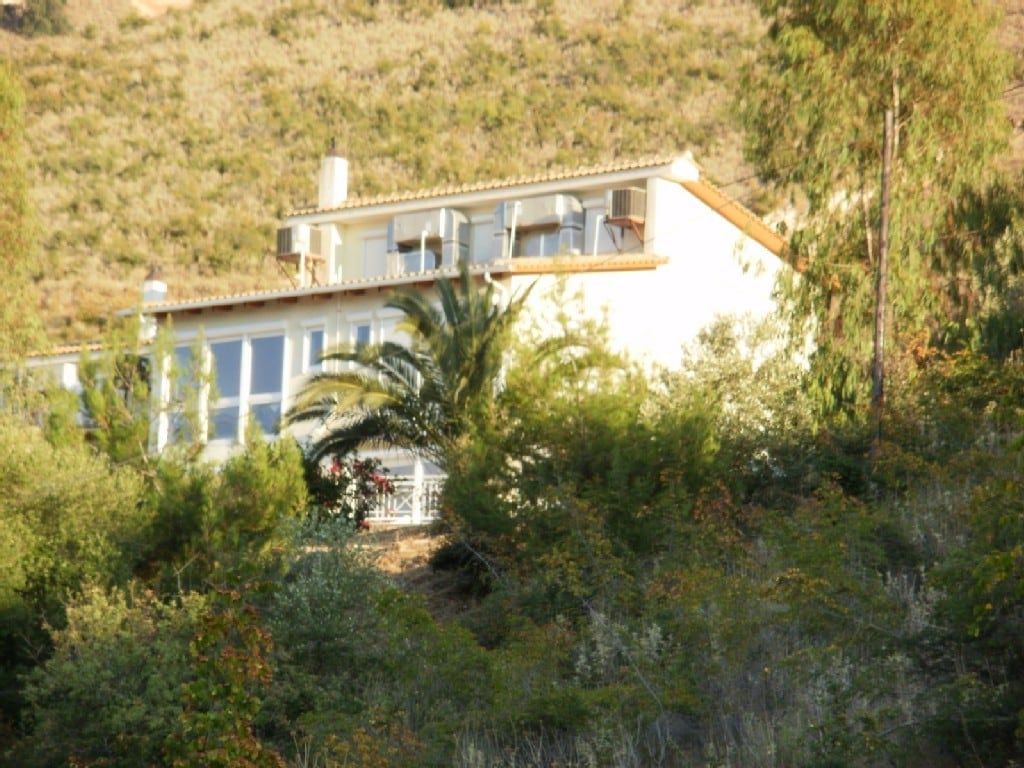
x=111, y=692
x=36, y=18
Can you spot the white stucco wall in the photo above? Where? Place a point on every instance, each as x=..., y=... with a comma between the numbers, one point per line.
x=712, y=269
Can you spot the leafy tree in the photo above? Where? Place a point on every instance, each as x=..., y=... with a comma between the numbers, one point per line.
x=204, y=521
x=813, y=109
x=581, y=469
x=424, y=395
x=231, y=669
x=739, y=370
x=346, y=488
x=258, y=491
x=330, y=639
x=111, y=692
x=20, y=329
x=985, y=256
x=117, y=396
x=67, y=519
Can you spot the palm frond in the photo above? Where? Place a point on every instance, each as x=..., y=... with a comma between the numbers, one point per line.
x=418, y=396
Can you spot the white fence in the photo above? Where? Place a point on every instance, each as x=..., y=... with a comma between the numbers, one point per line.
x=410, y=503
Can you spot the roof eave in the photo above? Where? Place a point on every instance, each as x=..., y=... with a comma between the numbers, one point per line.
x=195, y=306
x=738, y=215
x=680, y=168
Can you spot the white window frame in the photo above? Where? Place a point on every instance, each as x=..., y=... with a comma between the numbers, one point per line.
x=310, y=366
x=246, y=399
x=251, y=399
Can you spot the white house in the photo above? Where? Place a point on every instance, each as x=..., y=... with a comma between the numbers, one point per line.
x=650, y=244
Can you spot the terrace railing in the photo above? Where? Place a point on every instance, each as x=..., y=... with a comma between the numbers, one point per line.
x=409, y=502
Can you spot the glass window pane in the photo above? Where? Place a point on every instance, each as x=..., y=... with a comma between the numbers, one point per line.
x=316, y=348
x=267, y=365
x=184, y=371
x=267, y=416
x=224, y=423
x=180, y=430
x=362, y=335
x=227, y=361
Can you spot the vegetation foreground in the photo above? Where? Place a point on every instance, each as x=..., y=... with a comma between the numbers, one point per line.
x=672, y=572
x=692, y=568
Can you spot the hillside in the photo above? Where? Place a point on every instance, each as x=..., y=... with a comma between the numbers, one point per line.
x=177, y=134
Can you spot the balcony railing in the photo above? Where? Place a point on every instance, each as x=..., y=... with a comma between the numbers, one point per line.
x=409, y=503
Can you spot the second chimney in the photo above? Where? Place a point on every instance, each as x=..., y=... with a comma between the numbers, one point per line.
x=333, y=180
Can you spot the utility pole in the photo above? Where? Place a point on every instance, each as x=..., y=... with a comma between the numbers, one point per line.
x=881, y=286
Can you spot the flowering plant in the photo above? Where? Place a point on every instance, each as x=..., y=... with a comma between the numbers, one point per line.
x=347, y=487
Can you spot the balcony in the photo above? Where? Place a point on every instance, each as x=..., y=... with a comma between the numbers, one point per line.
x=410, y=503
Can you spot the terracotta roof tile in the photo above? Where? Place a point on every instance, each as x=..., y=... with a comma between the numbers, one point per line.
x=560, y=174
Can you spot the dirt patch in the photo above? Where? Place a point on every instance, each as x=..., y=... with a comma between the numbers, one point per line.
x=401, y=548
x=403, y=552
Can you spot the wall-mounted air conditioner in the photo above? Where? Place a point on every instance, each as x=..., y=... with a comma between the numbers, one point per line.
x=547, y=225
x=425, y=240
x=302, y=246
x=626, y=206
x=292, y=240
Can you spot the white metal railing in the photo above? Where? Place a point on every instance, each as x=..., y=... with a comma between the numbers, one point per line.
x=409, y=502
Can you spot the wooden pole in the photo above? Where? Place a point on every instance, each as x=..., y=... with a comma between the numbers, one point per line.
x=881, y=288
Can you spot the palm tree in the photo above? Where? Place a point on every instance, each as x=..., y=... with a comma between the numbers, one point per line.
x=422, y=396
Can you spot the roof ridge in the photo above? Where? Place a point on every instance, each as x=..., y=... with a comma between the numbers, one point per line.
x=559, y=173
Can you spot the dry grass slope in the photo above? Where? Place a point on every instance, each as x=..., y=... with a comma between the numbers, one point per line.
x=179, y=138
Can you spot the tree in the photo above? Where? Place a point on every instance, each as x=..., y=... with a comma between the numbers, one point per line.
x=111, y=692
x=421, y=396
x=813, y=109
x=205, y=524
x=68, y=518
x=19, y=316
x=219, y=705
x=117, y=395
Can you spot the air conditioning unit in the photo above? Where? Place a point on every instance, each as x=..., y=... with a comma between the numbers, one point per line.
x=293, y=240
x=627, y=206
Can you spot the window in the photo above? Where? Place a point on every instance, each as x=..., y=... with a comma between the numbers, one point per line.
x=313, y=349
x=266, y=378
x=416, y=259
x=362, y=335
x=186, y=375
x=226, y=358
x=246, y=380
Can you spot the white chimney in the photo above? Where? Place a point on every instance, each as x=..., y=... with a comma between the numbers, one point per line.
x=333, y=180
x=153, y=287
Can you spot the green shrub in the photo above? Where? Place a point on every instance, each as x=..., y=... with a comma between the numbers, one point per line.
x=36, y=18
x=111, y=692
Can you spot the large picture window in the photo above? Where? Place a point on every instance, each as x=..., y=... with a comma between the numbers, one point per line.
x=241, y=379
